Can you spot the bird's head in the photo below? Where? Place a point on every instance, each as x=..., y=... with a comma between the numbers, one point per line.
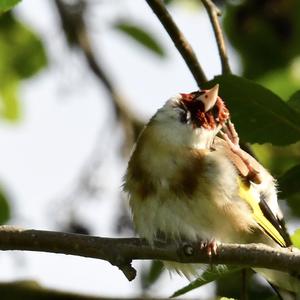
x=192, y=119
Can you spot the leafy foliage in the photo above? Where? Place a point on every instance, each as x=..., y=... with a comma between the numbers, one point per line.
x=264, y=33
x=260, y=116
x=22, y=55
x=6, y=5
x=141, y=36
x=210, y=275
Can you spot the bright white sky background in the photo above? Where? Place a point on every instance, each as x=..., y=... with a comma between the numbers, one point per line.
x=63, y=109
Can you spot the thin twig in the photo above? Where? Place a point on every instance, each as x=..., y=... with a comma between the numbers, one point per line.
x=214, y=14
x=179, y=40
x=76, y=32
x=121, y=251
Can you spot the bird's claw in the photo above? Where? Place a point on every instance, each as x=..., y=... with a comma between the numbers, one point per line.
x=210, y=246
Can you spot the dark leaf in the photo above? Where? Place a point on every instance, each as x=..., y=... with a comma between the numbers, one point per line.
x=293, y=201
x=289, y=189
x=259, y=115
x=4, y=208
x=294, y=101
x=265, y=36
x=289, y=182
x=232, y=286
x=140, y=35
x=214, y=273
x=151, y=275
x=6, y=5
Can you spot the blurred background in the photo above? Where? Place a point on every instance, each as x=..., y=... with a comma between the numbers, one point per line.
x=78, y=79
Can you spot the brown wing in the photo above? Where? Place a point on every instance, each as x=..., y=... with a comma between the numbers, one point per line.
x=235, y=159
x=277, y=222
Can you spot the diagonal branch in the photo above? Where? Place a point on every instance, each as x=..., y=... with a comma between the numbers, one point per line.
x=76, y=32
x=214, y=14
x=179, y=40
x=121, y=251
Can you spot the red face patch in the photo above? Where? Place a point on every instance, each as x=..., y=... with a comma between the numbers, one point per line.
x=210, y=119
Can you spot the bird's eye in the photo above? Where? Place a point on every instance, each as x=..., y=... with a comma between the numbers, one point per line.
x=183, y=116
x=215, y=112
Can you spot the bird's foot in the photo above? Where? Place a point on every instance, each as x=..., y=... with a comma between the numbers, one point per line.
x=210, y=246
x=231, y=136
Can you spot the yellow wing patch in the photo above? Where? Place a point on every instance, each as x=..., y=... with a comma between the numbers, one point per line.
x=246, y=193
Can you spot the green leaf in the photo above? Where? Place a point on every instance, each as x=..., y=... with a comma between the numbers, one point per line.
x=5, y=5
x=9, y=97
x=260, y=116
x=212, y=274
x=294, y=101
x=296, y=238
x=22, y=48
x=289, y=182
x=140, y=35
x=151, y=275
x=23, y=55
x=4, y=207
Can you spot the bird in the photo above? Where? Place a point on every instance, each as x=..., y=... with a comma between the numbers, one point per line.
x=188, y=179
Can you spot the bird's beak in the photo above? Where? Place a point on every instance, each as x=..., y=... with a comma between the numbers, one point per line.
x=210, y=98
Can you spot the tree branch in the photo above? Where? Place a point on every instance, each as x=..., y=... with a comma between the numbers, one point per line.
x=76, y=32
x=121, y=251
x=179, y=40
x=214, y=14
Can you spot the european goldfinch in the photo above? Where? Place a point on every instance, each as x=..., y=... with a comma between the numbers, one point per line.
x=188, y=179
